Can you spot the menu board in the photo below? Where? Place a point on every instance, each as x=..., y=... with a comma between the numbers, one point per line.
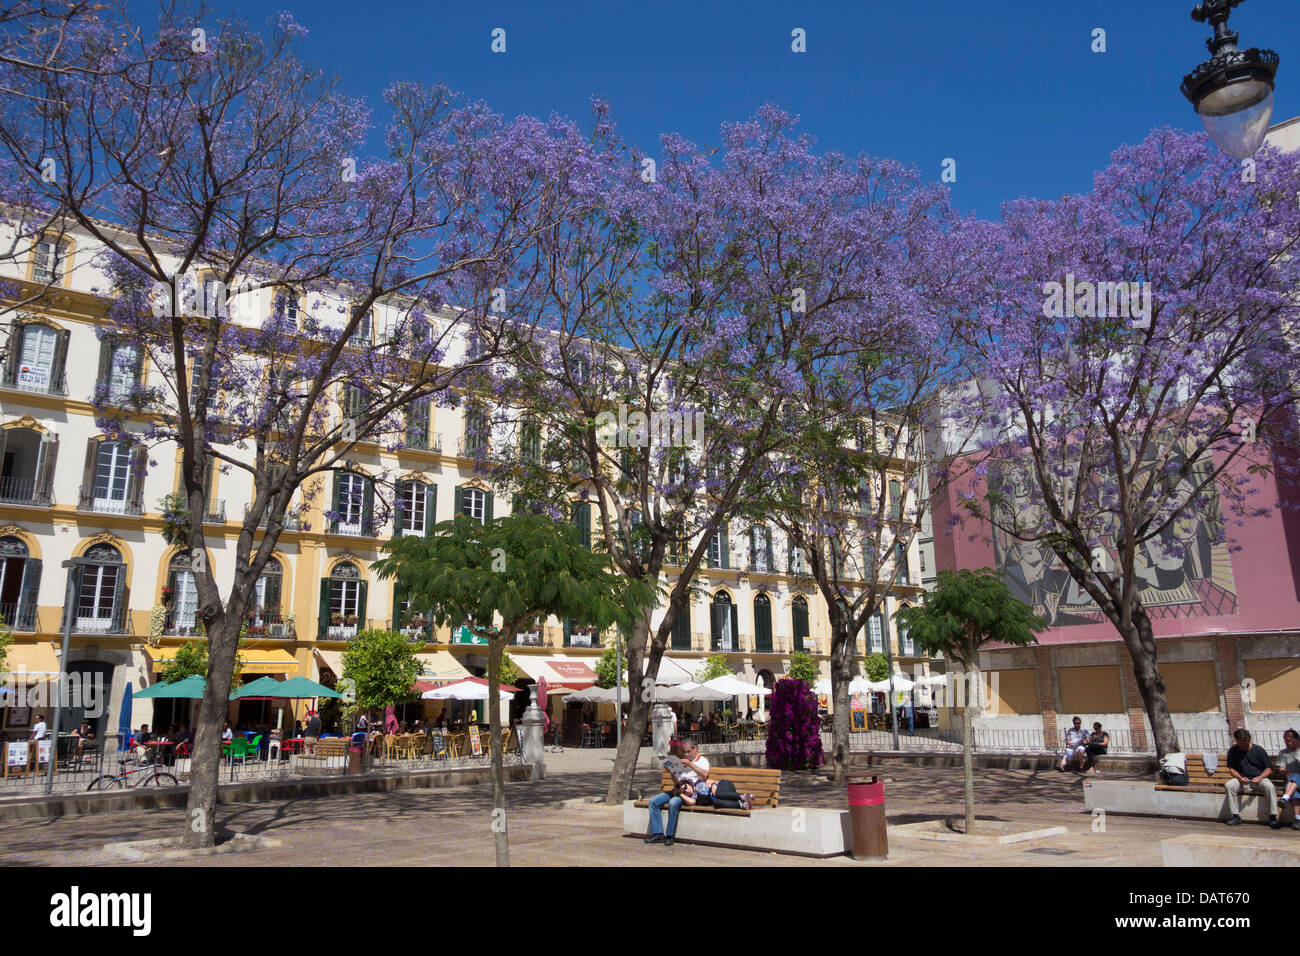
x=439, y=745
x=859, y=720
x=43, y=751
x=475, y=741
x=16, y=753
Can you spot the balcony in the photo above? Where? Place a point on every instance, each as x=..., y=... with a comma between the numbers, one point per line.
x=19, y=617
x=338, y=629
x=215, y=513
x=424, y=442
x=362, y=527
x=35, y=380
x=467, y=447
x=87, y=501
x=263, y=623
x=23, y=491
x=118, y=624
x=292, y=520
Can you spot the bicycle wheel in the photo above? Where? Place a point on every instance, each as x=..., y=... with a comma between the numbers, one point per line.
x=105, y=782
x=161, y=780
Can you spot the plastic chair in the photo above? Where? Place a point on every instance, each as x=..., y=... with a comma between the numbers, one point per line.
x=390, y=746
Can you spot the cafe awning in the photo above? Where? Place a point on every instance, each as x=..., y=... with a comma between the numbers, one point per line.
x=328, y=661
x=254, y=661
x=559, y=671
x=31, y=663
x=440, y=668
x=672, y=671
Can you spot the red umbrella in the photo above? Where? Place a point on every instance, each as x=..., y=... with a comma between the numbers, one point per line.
x=390, y=719
x=541, y=702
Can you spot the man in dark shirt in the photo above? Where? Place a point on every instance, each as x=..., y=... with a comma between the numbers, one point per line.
x=1249, y=765
x=311, y=733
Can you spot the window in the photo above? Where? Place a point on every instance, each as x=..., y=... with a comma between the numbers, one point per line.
x=20, y=577
x=681, y=639
x=719, y=555
x=343, y=602
x=183, y=601
x=762, y=623
x=798, y=561
x=799, y=623
x=214, y=299
x=580, y=369
x=48, y=261
x=354, y=401
x=27, y=460
x=417, y=424
x=415, y=501
x=896, y=500
x=530, y=443
x=877, y=631
x=123, y=371
x=475, y=441
x=906, y=645
x=353, y=503
x=900, y=561
x=113, y=460
x=582, y=521
x=474, y=503
x=760, y=550
x=99, y=601
x=266, y=600
x=363, y=336
x=36, y=358
x=725, y=636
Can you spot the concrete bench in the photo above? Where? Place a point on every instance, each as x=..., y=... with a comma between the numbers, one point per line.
x=796, y=831
x=1215, y=850
x=1140, y=798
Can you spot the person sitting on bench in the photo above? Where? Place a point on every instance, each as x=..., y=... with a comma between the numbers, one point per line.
x=1249, y=766
x=1076, y=740
x=1289, y=762
x=697, y=771
x=1098, y=744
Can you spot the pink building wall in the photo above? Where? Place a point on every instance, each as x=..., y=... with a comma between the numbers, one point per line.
x=1259, y=564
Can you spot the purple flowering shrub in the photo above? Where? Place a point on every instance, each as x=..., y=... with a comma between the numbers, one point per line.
x=794, y=740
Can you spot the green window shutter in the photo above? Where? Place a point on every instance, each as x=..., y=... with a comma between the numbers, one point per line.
x=568, y=630
x=399, y=511
x=735, y=627
x=762, y=623
x=582, y=520
x=106, y=346
x=28, y=594
x=361, y=605
x=799, y=615
x=725, y=534
x=397, y=608
x=60, y=361
x=715, y=624
x=487, y=507
x=368, y=507
x=430, y=510
x=460, y=501
x=324, y=623
x=681, y=639
x=334, y=525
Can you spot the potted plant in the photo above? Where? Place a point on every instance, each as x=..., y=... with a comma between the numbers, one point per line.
x=350, y=620
x=336, y=619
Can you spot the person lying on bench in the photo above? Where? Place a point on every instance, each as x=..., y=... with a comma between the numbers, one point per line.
x=1249, y=766
x=1289, y=762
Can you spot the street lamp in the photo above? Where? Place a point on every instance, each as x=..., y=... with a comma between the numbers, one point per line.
x=1233, y=89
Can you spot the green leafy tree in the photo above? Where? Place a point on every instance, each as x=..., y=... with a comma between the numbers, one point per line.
x=968, y=610
x=804, y=668
x=607, y=667
x=6, y=638
x=191, y=659
x=509, y=670
x=383, y=665
x=876, y=666
x=496, y=578
x=715, y=666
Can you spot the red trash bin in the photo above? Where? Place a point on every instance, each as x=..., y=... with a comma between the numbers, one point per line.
x=867, y=819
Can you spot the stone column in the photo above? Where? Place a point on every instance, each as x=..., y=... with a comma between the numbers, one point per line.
x=531, y=736
x=1047, y=698
x=661, y=727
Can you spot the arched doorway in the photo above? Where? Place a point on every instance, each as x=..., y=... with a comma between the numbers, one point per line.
x=725, y=623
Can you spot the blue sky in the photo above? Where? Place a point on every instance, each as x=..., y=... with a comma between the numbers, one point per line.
x=1016, y=97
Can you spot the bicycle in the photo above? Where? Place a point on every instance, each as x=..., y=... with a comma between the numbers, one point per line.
x=152, y=774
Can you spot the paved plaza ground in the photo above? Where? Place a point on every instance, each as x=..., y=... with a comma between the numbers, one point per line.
x=451, y=827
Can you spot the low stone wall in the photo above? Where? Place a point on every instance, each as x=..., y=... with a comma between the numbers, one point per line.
x=1139, y=798
x=36, y=808
x=791, y=830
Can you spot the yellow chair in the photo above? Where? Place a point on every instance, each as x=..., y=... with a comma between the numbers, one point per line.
x=390, y=746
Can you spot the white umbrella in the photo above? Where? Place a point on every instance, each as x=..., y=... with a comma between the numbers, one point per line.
x=469, y=689
x=689, y=691
x=929, y=680
x=823, y=686
x=734, y=687
x=598, y=695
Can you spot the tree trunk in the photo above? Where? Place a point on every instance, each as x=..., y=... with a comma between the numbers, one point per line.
x=502, y=838
x=629, y=748
x=973, y=688
x=841, y=676
x=205, y=760
x=1141, y=645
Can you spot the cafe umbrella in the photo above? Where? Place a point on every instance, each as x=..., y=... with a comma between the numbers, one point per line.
x=124, y=718
x=191, y=687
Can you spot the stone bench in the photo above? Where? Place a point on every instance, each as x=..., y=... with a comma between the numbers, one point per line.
x=1144, y=798
x=792, y=830
x=1221, y=850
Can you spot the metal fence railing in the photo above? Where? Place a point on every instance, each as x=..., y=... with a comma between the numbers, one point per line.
x=1000, y=740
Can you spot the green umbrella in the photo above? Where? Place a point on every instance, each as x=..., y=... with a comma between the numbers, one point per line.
x=262, y=687
x=301, y=687
x=192, y=687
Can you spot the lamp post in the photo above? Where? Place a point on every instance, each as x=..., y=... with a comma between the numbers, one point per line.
x=1233, y=90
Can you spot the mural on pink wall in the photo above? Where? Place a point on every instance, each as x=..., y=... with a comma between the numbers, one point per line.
x=1185, y=572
